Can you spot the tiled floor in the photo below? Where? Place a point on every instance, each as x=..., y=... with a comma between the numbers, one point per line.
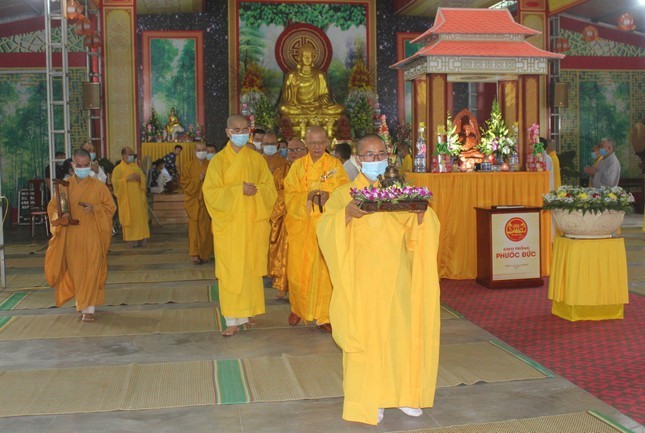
x=457, y=405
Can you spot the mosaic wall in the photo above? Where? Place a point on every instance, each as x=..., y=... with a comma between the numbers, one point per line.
x=603, y=103
x=599, y=47
x=34, y=42
x=216, y=68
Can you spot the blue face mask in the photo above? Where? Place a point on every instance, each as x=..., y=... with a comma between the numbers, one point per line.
x=210, y=156
x=603, y=151
x=130, y=158
x=594, y=155
x=373, y=169
x=93, y=155
x=239, y=139
x=82, y=172
x=283, y=152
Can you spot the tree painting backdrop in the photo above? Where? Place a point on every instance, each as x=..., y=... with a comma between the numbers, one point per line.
x=602, y=104
x=260, y=24
x=24, y=146
x=173, y=76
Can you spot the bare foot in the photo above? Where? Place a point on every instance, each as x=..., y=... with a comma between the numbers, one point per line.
x=87, y=317
x=231, y=330
x=252, y=321
x=281, y=295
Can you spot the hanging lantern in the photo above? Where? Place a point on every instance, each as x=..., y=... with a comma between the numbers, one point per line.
x=93, y=40
x=74, y=10
x=561, y=45
x=590, y=33
x=84, y=26
x=626, y=22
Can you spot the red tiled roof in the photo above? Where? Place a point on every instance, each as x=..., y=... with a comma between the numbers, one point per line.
x=481, y=49
x=475, y=21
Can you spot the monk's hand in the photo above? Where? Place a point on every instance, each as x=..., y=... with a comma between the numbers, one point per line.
x=134, y=177
x=95, y=167
x=324, y=196
x=249, y=189
x=87, y=207
x=353, y=211
x=420, y=214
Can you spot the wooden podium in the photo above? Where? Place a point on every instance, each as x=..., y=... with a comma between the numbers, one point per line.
x=508, y=247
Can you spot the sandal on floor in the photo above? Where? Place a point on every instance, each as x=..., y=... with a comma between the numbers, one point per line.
x=87, y=317
x=252, y=321
x=196, y=260
x=230, y=331
x=281, y=296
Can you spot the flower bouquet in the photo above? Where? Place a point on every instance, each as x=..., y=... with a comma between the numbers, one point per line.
x=397, y=197
x=495, y=138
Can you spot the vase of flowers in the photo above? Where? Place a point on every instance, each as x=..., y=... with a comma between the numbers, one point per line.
x=588, y=213
x=496, y=139
x=447, y=146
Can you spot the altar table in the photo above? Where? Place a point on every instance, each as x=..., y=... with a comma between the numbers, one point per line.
x=161, y=149
x=455, y=197
x=588, y=279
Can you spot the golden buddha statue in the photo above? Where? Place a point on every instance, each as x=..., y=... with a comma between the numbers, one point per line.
x=173, y=126
x=305, y=90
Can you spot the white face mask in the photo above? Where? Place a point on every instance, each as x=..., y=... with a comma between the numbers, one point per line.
x=201, y=154
x=270, y=149
x=257, y=144
x=210, y=156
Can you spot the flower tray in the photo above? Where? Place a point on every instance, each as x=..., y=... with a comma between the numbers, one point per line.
x=386, y=206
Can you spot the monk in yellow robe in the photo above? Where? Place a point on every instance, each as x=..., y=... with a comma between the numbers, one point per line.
x=200, y=238
x=385, y=305
x=76, y=258
x=270, y=151
x=239, y=195
x=306, y=190
x=278, y=241
x=129, y=185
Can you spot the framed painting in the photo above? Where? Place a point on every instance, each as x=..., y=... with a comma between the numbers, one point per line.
x=404, y=49
x=173, y=76
x=265, y=35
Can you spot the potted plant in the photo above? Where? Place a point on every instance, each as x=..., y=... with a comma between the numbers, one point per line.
x=585, y=212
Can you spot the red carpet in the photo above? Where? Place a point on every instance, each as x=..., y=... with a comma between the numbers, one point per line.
x=605, y=358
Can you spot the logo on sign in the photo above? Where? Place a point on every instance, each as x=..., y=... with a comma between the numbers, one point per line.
x=516, y=229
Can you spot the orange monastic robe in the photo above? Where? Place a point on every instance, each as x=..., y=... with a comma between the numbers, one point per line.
x=240, y=228
x=385, y=306
x=133, y=204
x=199, y=221
x=309, y=284
x=76, y=259
x=278, y=241
x=274, y=161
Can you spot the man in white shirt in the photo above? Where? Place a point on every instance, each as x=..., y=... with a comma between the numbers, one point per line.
x=607, y=173
x=97, y=171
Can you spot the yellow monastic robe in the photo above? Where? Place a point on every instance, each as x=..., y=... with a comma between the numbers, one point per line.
x=557, y=177
x=274, y=161
x=240, y=228
x=406, y=164
x=309, y=284
x=277, y=267
x=76, y=259
x=133, y=204
x=199, y=221
x=385, y=307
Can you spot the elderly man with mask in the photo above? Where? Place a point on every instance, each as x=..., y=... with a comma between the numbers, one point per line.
x=200, y=238
x=607, y=173
x=385, y=304
x=306, y=190
x=129, y=184
x=239, y=195
x=270, y=151
x=76, y=259
x=97, y=171
x=278, y=246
